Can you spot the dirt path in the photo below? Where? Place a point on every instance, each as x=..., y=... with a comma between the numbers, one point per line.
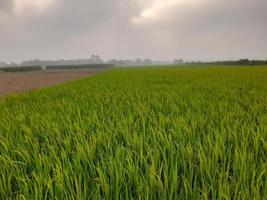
x=26, y=81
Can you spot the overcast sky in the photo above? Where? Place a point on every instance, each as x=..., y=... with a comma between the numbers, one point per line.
x=158, y=29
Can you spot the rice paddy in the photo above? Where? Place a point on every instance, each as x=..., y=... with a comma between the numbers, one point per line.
x=141, y=133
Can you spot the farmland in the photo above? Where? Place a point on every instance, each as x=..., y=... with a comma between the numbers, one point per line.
x=12, y=83
x=141, y=133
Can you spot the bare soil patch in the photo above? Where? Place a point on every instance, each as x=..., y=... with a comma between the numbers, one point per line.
x=26, y=81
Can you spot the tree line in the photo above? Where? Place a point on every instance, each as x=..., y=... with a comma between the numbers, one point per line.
x=233, y=62
x=95, y=59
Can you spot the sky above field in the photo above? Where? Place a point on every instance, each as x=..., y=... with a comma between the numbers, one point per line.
x=158, y=29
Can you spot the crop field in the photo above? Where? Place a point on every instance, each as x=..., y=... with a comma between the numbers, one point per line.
x=11, y=83
x=140, y=133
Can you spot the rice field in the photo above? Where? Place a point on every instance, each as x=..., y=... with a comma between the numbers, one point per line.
x=141, y=133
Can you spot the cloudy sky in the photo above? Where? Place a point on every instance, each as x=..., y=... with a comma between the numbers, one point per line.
x=158, y=29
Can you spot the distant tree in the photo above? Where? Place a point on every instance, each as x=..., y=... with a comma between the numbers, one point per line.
x=13, y=64
x=178, y=61
x=243, y=62
x=95, y=59
x=138, y=61
x=112, y=61
x=3, y=64
x=148, y=61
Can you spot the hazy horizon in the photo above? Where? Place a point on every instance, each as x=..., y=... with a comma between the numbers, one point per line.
x=205, y=30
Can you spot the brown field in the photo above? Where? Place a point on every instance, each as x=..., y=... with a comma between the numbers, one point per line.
x=11, y=83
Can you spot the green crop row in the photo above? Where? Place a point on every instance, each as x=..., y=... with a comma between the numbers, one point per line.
x=152, y=133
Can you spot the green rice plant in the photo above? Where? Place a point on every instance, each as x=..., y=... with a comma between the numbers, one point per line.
x=139, y=133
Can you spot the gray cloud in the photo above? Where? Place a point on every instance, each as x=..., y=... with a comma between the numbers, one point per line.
x=204, y=29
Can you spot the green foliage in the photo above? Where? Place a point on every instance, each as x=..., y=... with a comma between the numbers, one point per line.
x=20, y=69
x=153, y=133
